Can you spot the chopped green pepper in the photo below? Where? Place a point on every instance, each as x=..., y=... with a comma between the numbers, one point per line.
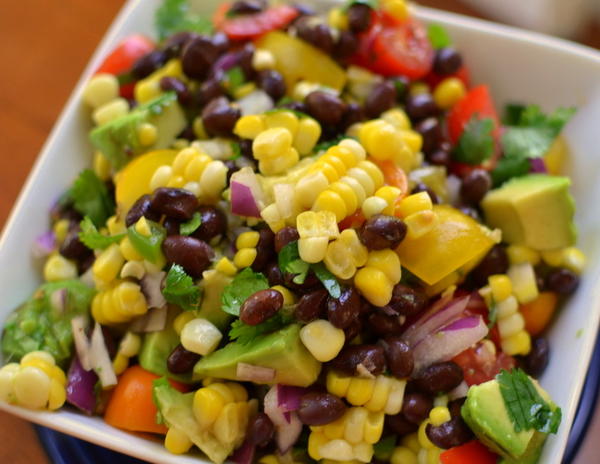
x=149, y=246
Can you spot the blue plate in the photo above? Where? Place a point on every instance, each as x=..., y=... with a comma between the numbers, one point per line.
x=64, y=449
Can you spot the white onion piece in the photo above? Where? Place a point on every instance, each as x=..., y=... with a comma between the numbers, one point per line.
x=257, y=374
x=247, y=196
x=151, y=285
x=460, y=391
x=453, y=184
x=287, y=431
x=154, y=320
x=100, y=359
x=256, y=102
x=82, y=344
x=451, y=340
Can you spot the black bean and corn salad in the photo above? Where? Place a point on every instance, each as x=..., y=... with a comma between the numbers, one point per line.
x=304, y=237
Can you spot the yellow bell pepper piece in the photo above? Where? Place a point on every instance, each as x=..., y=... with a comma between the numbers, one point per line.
x=454, y=241
x=296, y=60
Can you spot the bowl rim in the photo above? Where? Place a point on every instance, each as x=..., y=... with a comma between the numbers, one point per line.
x=65, y=423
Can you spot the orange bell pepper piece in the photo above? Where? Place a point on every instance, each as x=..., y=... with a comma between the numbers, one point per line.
x=537, y=314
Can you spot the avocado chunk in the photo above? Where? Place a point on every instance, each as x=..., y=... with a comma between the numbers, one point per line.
x=156, y=348
x=534, y=210
x=485, y=413
x=177, y=411
x=212, y=285
x=118, y=139
x=282, y=351
x=44, y=321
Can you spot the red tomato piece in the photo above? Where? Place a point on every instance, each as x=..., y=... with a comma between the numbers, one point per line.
x=472, y=452
x=393, y=48
x=477, y=101
x=354, y=220
x=250, y=26
x=121, y=59
x=480, y=364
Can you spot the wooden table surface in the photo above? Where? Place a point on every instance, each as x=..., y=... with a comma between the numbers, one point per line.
x=44, y=46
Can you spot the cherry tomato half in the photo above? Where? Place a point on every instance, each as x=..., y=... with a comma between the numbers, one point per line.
x=250, y=26
x=480, y=364
x=121, y=59
x=477, y=101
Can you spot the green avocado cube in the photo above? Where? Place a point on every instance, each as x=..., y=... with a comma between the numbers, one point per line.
x=534, y=210
x=282, y=351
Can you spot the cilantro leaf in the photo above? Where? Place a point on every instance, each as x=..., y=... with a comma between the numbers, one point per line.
x=175, y=16
x=509, y=167
x=189, y=227
x=532, y=116
x=438, y=36
x=383, y=449
x=234, y=78
x=492, y=315
x=245, y=334
x=93, y=239
x=241, y=287
x=476, y=144
x=526, y=407
x=527, y=142
x=327, y=279
x=237, y=151
x=180, y=289
x=90, y=197
x=289, y=261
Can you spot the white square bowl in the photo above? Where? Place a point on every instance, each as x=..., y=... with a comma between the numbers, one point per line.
x=520, y=67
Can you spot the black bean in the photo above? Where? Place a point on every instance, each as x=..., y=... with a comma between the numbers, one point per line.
x=172, y=226
x=343, y=310
x=141, y=208
x=285, y=236
x=221, y=42
x=402, y=84
x=311, y=282
x=175, y=43
x=400, y=425
x=346, y=45
x=495, y=262
x=447, y=61
x=450, y=434
x=274, y=274
x=455, y=406
x=432, y=133
x=320, y=408
x=315, y=33
x=174, y=202
x=219, y=117
x=246, y=149
x=359, y=17
x=147, y=64
x=188, y=134
x=439, y=377
x=562, y=281
x=181, y=361
x=475, y=185
x=272, y=83
x=407, y=300
x=398, y=356
x=304, y=10
x=416, y=407
x=209, y=90
x=381, y=98
x=260, y=306
x=295, y=105
x=354, y=113
x=190, y=253
x=355, y=358
x=265, y=249
x=214, y=223
x=536, y=361
x=260, y=430
x=353, y=330
x=311, y=306
x=246, y=7
x=325, y=107
x=172, y=83
x=197, y=57
x=72, y=247
x=380, y=232
x=421, y=106
x=421, y=187
x=441, y=156
x=244, y=58
x=383, y=324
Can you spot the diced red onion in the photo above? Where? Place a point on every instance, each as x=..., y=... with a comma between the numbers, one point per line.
x=225, y=62
x=244, y=454
x=537, y=165
x=441, y=313
x=82, y=344
x=58, y=300
x=449, y=341
x=154, y=320
x=257, y=374
x=100, y=358
x=287, y=431
x=288, y=398
x=44, y=244
x=247, y=197
x=80, y=387
x=151, y=285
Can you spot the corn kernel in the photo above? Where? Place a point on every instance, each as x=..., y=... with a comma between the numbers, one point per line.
x=208, y=404
x=518, y=254
x=553, y=258
x=288, y=297
x=356, y=187
x=337, y=384
x=200, y=336
x=413, y=140
x=317, y=224
x=309, y=187
x=362, y=177
x=226, y=266
x=244, y=257
x=108, y=264
x=373, y=427
x=398, y=9
x=423, y=438
x=507, y=307
x=315, y=441
x=309, y=132
x=57, y=395
x=31, y=387
x=449, y=92
x=374, y=285
x=439, y=415
x=102, y=166
x=177, y=442
x=363, y=452
x=313, y=249
x=60, y=229
x=337, y=19
x=397, y=118
x=263, y=59
x=198, y=128
x=418, y=88
x=372, y=206
x=411, y=442
x=142, y=227
x=247, y=240
x=524, y=282
x=161, y=177
x=390, y=195
x=338, y=449
x=59, y=268
x=414, y=203
x=238, y=391
x=101, y=89
x=147, y=134
x=380, y=395
x=386, y=261
x=120, y=364
x=501, y=287
x=403, y=455
x=360, y=391
x=509, y=326
x=227, y=425
x=517, y=344
x=282, y=119
x=249, y=127
x=346, y=194
x=331, y=201
x=396, y=397
x=244, y=90
x=322, y=339
x=303, y=88
x=128, y=251
x=272, y=143
x=109, y=111
x=574, y=260
x=355, y=419
x=181, y=320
